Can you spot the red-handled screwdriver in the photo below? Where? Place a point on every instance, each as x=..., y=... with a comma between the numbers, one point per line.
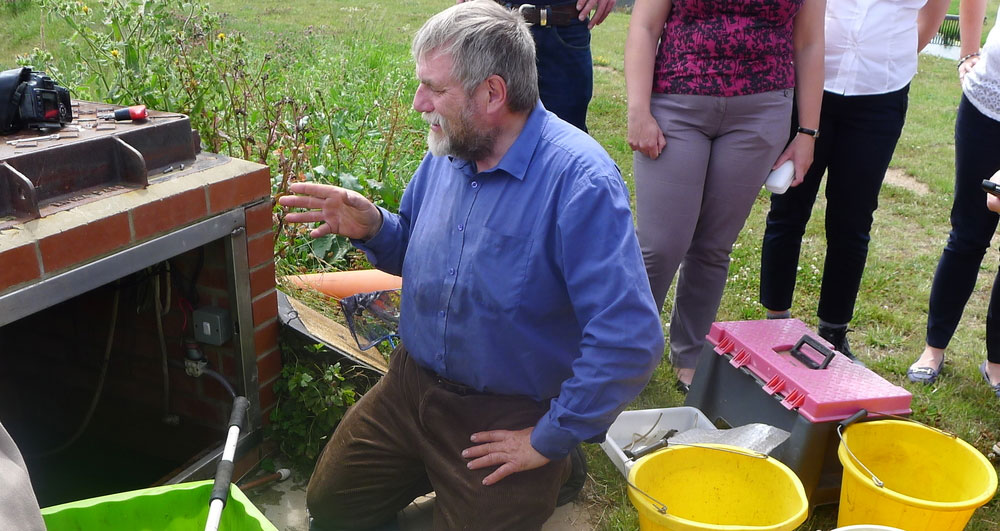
x=135, y=112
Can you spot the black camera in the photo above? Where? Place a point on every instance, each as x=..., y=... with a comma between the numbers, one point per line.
x=31, y=99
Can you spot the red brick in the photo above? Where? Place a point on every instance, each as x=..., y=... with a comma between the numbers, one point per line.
x=260, y=250
x=269, y=366
x=196, y=408
x=266, y=416
x=212, y=297
x=214, y=390
x=265, y=308
x=180, y=382
x=260, y=218
x=231, y=193
x=265, y=339
x=20, y=264
x=84, y=242
x=262, y=279
x=169, y=213
x=266, y=395
x=213, y=277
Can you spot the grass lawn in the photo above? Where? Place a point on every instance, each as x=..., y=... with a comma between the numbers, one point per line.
x=910, y=227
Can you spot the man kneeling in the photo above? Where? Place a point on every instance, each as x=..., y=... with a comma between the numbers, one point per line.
x=526, y=318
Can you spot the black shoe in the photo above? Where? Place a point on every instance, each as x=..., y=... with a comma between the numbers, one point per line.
x=837, y=336
x=682, y=387
x=577, y=477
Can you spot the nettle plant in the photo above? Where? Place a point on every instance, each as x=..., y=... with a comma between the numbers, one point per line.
x=312, y=398
x=310, y=109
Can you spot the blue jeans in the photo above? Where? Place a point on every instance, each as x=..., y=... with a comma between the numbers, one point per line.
x=565, y=70
x=857, y=137
x=972, y=226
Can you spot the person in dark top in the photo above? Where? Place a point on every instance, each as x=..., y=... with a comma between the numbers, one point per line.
x=561, y=31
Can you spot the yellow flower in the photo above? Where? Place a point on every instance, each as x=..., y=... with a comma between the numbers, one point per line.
x=221, y=36
x=114, y=53
x=85, y=9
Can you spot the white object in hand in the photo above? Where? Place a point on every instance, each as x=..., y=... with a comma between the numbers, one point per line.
x=778, y=180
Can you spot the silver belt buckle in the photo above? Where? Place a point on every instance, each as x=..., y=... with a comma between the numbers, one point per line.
x=543, y=18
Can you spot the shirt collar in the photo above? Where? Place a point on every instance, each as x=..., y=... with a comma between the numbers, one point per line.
x=515, y=160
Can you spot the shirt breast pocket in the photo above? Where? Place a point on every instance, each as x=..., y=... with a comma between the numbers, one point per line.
x=499, y=270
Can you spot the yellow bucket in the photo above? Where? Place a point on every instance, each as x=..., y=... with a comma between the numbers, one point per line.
x=715, y=486
x=931, y=480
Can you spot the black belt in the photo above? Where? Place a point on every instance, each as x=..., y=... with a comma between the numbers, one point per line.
x=546, y=15
x=455, y=387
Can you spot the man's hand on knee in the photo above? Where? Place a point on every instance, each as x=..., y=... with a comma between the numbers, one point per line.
x=511, y=451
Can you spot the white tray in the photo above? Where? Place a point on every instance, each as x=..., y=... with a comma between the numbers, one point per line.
x=653, y=423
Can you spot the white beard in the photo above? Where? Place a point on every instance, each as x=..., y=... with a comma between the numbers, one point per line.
x=437, y=140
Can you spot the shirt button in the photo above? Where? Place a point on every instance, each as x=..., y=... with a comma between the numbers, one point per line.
x=439, y=356
x=475, y=184
x=441, y=313
x=461, y=228
x=451, y=271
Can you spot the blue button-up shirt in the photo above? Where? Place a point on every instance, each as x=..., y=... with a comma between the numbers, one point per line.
x=527, y=279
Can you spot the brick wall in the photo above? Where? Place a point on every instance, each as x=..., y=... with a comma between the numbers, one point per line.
x=41, y=248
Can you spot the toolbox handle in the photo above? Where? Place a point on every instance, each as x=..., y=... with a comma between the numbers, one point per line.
x=818, y=347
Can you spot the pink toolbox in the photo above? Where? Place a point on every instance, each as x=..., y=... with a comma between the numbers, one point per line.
x=780, y=372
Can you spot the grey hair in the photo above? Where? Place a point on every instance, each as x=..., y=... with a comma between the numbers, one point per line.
x=484, y=38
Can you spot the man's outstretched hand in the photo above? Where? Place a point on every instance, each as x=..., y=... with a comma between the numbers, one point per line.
x=511, y=451
x=343, y=211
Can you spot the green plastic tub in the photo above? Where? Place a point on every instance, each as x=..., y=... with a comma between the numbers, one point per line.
x=181, y=507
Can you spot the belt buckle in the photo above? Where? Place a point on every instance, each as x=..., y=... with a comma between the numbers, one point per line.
x=543, y=13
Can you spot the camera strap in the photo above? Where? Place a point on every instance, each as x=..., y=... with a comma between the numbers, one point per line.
x=12, y=84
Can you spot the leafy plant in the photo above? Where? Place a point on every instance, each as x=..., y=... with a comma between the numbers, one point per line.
x=299, y=105
x=312, y=398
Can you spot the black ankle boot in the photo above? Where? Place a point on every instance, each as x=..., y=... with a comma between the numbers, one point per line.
x=577, y=477
x=837, y=335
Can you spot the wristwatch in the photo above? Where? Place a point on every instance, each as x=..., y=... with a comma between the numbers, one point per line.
x=806, y=131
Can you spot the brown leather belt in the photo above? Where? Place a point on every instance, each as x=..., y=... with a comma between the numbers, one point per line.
x=545, y=15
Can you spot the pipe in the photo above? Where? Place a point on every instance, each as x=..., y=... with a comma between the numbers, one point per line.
x=219, y=378
x=163, y=347
x=214, y=374
x=100, y=383
x=278, y=475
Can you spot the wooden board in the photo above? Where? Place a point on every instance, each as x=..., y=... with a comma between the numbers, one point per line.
x=331, y=333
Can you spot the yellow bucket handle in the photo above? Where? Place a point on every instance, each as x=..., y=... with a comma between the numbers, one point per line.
x=662, y=507
x=863, y=413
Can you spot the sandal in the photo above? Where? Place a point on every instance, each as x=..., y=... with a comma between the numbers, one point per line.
x=924, y=375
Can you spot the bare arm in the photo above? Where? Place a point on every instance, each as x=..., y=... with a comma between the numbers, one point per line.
x=929, y=20
x=970, y=24
x=809, y=50
x=645, y=27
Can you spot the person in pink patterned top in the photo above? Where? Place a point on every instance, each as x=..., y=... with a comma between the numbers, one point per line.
x=711, y=84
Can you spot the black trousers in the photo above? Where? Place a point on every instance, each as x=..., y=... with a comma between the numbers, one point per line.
x=858, y=135
x=404, y=438
x=977, y=157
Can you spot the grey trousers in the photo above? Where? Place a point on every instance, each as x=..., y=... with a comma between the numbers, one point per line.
x=18, y=506
x=692, y=201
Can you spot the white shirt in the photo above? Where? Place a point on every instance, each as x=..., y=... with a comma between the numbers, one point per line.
x=982, y=84
x=871, y=45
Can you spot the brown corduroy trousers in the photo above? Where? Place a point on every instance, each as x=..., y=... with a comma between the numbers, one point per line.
x=405, y=437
